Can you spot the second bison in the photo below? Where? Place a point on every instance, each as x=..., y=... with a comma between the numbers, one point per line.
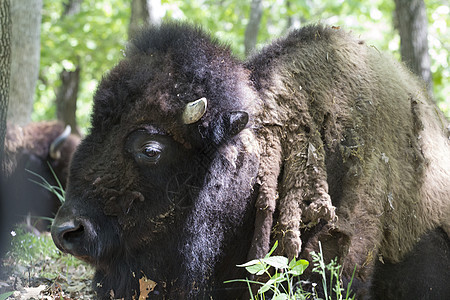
x=35, y=152
x=197, y=161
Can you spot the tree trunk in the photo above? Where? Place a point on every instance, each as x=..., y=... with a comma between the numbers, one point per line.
x=5, y=67
x=67, y=95
x=290, y=21
x=144, y=13
x=251, y=32
x=296, y=20
x=25, y=54
x=66, y=98
x=412, y=23
x=72, y=7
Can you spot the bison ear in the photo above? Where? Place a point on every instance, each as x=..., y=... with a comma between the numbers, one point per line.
x=235, y=122
x=226, y=126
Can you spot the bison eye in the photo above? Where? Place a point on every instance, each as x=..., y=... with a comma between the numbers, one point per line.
x=150, y=152
x=147, y=147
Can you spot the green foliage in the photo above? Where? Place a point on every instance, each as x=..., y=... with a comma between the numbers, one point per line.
x=282, y=280
x=372, y=21
x=31, y=250
x=225, y=19
x=281, y=283
x=26, y=248
x=95, y=37
x=439, y=43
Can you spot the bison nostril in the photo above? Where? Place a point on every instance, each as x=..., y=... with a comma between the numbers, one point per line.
x=72, y=235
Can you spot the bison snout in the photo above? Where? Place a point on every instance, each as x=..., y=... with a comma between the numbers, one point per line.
x=73, y=235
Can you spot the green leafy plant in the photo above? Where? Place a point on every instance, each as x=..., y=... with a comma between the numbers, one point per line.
x=283, y=277
x=281, y=282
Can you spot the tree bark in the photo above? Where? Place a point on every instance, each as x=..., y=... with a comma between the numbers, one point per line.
x=66, y=98
x=251, y=32
x=25, y=55
x=72, y=7
x=5, y=67
x=144, y=13
x=412, y=24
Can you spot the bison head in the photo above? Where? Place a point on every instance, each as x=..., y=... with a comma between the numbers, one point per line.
x=163, y=185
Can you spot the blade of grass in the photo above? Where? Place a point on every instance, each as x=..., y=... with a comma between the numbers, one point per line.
x=324, y=277
x=350, y=284
x=4, y=296
x=58, y=191
x=57, y=180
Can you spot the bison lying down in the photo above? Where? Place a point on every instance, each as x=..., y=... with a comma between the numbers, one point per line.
x=33, y=148
x=197, y=162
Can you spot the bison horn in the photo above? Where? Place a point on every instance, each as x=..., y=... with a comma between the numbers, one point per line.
x=56, y=144
x=194, y=110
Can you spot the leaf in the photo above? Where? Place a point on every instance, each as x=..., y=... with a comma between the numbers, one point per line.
x=255, y=266
x=297, y=268
x=281, y=296
x=275, y=245
x=257, y=269
x=250, y=263
x=278, y=262
x=312, y=155
x=146, y=286
x=267, y=286
x=272, y=283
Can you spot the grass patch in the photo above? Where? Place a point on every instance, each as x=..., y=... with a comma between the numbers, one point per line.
x=38, y=255
x=33, y=262
x=284, y=282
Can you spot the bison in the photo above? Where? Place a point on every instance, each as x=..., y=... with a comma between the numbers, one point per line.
x=197, y=161
x=35, y=147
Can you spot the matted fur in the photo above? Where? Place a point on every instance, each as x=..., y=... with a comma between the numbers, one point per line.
x=345, y=113
x=318, y=137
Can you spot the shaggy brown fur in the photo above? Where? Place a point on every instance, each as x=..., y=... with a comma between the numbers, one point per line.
x=338, y=111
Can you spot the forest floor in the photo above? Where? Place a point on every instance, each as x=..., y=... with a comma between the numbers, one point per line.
x=35, y=269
